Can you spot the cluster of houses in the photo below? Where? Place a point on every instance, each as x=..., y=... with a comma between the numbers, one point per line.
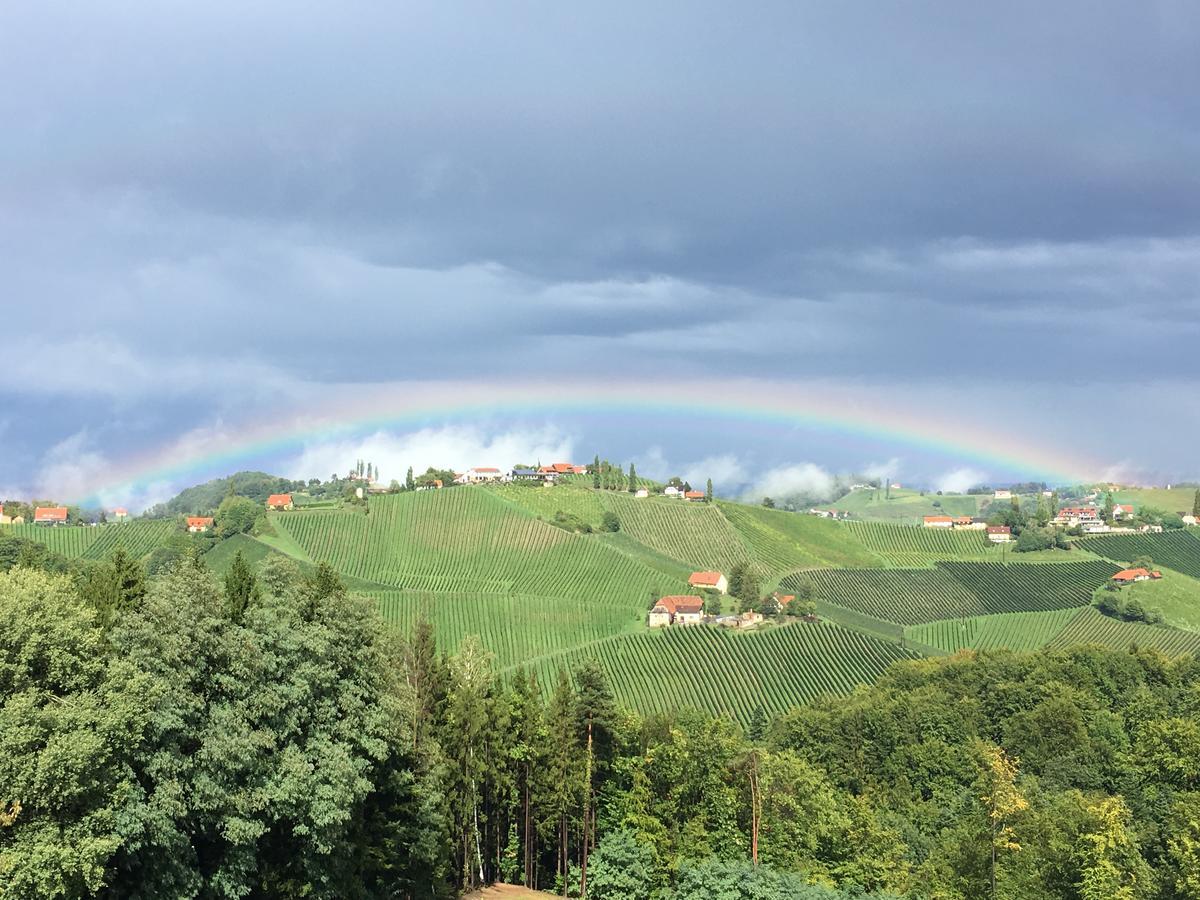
x=688, y=609
x=1089, y=520
x=997, y=534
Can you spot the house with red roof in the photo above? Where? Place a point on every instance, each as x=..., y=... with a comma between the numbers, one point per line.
x=1078, y=515
x=678, y=609
x=1129, y=576
x=120, y=514
x=480, y=475
x=713, y=581
x=999, y=534
x=693, y=495
x=1122, y=509
x=50, y=515
x=197, y=524
x=280, y=501
x=939, y=522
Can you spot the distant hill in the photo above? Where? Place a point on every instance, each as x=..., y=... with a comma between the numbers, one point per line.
x=202, y=499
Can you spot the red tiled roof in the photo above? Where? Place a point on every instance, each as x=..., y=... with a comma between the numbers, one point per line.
x=121, y=511
x=999, y=529
x=785, y=599
x=50, y=514
x=1131, y=574
x=705, y=579
x=484, y=469
x=1078, y=511
x=1125, y=508
x=199, y=521
x=962, y=520
x=694, y=495
x=938, y=519
x=564, y=468
x=681, y=603
x=279, y=500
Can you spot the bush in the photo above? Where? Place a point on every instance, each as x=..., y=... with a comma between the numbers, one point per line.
x=621, y=868
x=610, y=522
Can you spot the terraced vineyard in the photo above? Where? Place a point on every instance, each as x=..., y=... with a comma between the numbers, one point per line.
x=515, y=628
x=693, y=533
x=910, y=545
x=954, y=590
x=723, y=672
x=1013, y=631
x=1091, y=626
x=467, y=540
x=1178, y=550
x=784, y=541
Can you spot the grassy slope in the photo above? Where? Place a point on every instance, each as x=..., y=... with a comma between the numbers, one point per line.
x=1175, y=500
x=906, y=506
x=1176, y=596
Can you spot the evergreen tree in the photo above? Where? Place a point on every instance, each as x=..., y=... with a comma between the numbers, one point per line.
x=1196, y=504
x=708, y=495
x=466, y=723
x=241, y=589
x=1109, y=508
x=633, y=479
x=563, y=773
x=596, y=482
x=409, y=483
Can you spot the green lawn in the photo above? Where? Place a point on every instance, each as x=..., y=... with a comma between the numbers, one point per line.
x=1176, y=596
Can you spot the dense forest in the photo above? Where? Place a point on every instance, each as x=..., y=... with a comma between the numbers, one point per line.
x=265, y=736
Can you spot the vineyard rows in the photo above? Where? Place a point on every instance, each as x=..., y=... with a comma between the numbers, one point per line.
x=1011, y=631
x=1178, y=550
x=468, y=540
x=101, y=541
x=545, y=502
x=783, y=541
x=1091, y=626
x=693, y=533
x=954, y=590
x=514, y=628
x=912, y=545
x=722, y=672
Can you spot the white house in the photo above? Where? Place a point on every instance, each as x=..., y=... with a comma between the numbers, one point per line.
x=1002, y=495
x=641, y=492
x=999, y=534
x=1189, y=519
x=939, y=522
x=480, y=475
x=196, y=524
x=671, y=491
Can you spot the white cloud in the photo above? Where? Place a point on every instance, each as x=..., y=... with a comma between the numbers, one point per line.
x=725, y=471
x=889, y=469
x=807, y=479
x=457, y=447
x=959, y=480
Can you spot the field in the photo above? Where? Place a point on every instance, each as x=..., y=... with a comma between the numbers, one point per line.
x=1176, y=596
x=468, y=540
x=515, y=628
x=543, y=502
x=1178, y=550
x=909, y=545
x=1092, y=627
x=905, y=506
x=954, y=590
x=783, y=541
x=1012, y=631
x=724, y=672
x=101, y=541
x=1175, y=500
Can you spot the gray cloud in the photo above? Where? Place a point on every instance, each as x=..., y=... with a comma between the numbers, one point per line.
x=215, y=210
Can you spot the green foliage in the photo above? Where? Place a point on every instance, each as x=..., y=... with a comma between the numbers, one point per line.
x=238, y=515
x=1178, y=550
x=610, y=523
x=241, y=589
x=621, y=868
x=203, y=499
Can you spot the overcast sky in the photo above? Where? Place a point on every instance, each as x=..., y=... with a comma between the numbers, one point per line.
x=208, y=211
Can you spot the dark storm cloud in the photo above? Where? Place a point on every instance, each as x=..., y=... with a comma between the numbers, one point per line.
x=214, y=205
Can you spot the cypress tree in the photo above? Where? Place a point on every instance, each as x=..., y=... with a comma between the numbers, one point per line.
x=633, y=485
x=708, y=492
x=596, y=472
x=409, y=483
x=1196, y=504
x=241, y=589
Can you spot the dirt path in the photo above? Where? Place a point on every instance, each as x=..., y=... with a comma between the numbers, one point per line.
x=509, y=892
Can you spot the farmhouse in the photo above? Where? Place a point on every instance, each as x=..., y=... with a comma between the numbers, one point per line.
x=50, y=515
x=709, y=580
x=694, y=495
x=199, y=523
x=999, y=534
x=120, y=514
x=671, y=491
x=525, y=475
x=677, y=610
x=1188, y=519
x=1122, y=509
x=280, y=501
x=939, y=522
x=1129, y=576
x=1002, y=495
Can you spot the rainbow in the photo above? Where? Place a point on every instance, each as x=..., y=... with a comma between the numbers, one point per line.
x=776, y=408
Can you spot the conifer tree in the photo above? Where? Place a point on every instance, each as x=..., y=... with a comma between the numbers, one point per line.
x=708, y=495
x=1196, y=504
x=633, y=481
x=241, y=589
x=596, y=482
x=409, y=483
